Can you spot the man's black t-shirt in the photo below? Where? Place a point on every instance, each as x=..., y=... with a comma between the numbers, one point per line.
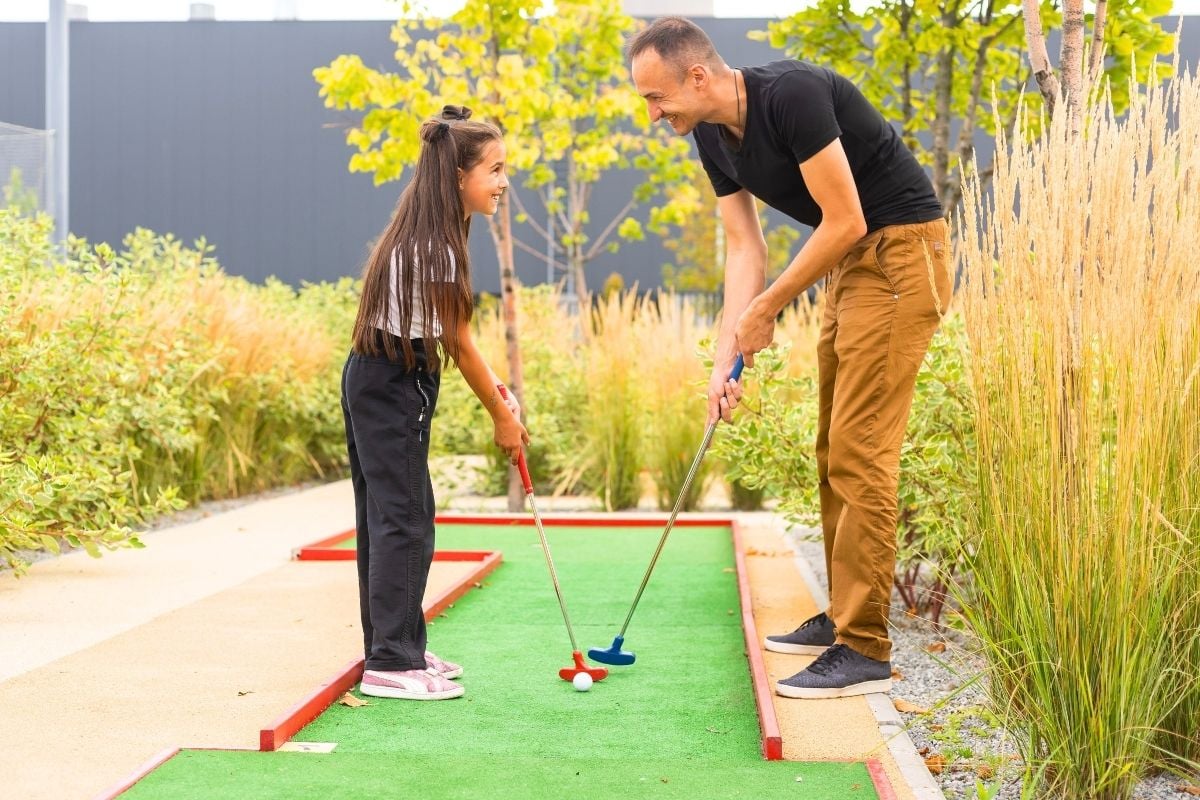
x=793, y=110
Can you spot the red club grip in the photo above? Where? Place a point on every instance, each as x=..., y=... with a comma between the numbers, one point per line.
x=521, y=466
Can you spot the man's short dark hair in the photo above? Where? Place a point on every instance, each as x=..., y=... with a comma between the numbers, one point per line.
x=677, y=40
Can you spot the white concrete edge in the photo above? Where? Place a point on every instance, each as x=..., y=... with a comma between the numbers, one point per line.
x=900, y=744
x=891, y=725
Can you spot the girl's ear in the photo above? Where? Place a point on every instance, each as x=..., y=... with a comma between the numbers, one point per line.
x=461, y=175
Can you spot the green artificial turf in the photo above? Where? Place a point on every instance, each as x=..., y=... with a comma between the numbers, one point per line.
x=681, y=722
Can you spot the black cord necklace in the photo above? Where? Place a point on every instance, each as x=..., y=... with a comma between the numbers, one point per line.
x=738, y=95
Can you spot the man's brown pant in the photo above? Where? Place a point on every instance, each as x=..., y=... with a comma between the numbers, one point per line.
x=884, y=301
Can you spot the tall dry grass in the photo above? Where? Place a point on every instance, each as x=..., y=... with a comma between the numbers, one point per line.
x=674, y=378
x=1082, y=303
x=614, y=376
x=613, y=394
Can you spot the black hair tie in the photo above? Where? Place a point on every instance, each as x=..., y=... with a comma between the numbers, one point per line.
x=456, y=113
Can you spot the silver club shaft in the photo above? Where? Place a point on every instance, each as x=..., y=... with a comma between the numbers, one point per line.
x=562, y=604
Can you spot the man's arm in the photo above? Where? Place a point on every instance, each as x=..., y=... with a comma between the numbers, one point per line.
x=831, y=183
x=745, y=276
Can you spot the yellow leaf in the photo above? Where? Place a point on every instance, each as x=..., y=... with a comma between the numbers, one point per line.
x=352, y=701
x=905, y=707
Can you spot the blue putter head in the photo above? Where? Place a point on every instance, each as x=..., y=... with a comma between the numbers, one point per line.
x=614, y=655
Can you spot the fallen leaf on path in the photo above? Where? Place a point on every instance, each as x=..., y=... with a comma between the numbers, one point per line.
x=905, y=707
x=935, y=647
x=936, y=763
x=1186, y=789
x=352, y=701
x=985, y=771
x=897, y=675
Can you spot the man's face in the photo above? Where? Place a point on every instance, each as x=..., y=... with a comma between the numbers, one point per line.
x=668, y=94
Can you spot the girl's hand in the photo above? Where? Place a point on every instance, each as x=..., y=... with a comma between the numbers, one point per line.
x=510, y=436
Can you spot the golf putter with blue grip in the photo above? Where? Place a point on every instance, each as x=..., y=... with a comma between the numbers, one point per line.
x=614, y=655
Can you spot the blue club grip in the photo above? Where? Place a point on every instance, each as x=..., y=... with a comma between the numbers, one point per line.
x=736, y=372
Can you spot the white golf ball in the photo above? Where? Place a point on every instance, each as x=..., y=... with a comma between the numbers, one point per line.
x=582, y=682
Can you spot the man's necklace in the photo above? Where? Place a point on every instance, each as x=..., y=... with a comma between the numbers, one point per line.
x=738, y=99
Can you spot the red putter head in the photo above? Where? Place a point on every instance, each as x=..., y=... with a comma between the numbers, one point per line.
x=569, y=673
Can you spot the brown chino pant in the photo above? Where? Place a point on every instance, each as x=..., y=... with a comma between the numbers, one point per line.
x=883, y=302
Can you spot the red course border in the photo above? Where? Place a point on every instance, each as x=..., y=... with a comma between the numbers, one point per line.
x=768, y=723
x=327, y=549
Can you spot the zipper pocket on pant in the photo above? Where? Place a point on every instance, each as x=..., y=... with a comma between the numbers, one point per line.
x=424, y=407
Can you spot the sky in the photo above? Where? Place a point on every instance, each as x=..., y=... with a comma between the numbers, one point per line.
x=112, y=10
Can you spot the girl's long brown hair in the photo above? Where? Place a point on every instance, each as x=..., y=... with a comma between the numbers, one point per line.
x=428, y=235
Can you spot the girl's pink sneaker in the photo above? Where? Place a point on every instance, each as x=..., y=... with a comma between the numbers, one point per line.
x=412, y=684
x=446, y=669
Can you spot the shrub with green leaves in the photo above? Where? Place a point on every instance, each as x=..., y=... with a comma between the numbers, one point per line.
x=771, y=447
x=132, y=384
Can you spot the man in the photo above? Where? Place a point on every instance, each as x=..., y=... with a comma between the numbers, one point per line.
x=805, y=140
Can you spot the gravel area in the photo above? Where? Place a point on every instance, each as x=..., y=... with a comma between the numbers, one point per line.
x=953, y=724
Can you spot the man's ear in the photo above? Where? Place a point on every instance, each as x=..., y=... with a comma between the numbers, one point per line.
x=698, y=76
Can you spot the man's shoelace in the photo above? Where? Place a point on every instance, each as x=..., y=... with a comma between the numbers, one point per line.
x=829, y=660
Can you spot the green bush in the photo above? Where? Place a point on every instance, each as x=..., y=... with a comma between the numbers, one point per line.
x=771, y=448
x=132, y=384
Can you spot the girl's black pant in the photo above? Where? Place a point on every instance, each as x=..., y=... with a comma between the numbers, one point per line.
x=387, y=409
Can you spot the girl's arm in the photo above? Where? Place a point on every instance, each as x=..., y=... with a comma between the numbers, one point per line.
x=510, y=434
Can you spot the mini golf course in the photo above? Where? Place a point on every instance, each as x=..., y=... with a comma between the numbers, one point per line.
x=681, y=722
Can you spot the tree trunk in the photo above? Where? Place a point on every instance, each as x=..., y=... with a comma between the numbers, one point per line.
x=943, y=87
x=1039, y=57
x=1097, y=59
x=575, y=255
x=501, y=228
x=906, y=88
x=1071, y=61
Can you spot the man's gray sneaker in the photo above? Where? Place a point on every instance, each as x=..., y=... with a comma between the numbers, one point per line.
x=810, y=639
x=838, y=672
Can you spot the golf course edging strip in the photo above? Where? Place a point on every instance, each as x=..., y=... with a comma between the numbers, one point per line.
x=580, y=520
x=326, y=549
x=768, y=723
x=286, y=726
x=879, y=777
x=126, y=783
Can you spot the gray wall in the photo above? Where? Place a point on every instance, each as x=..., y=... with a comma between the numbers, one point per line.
x=215, y=129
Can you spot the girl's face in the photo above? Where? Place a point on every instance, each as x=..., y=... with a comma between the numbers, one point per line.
x=482, y=185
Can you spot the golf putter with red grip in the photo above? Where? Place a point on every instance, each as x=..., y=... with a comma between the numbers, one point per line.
x=566, y=673
x=614, y=655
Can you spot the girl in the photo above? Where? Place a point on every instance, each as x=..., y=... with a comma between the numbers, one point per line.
x=414, y=315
